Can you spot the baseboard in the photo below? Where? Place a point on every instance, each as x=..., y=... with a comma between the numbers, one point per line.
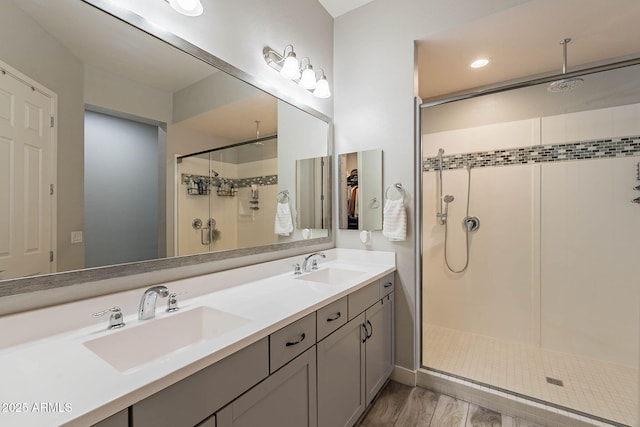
x=404, y=376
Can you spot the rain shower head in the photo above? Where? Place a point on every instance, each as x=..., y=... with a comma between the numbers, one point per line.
x=565, y=85
x=448, y=198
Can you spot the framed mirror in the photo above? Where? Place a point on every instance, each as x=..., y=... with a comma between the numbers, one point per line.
x=361, y=198
x=125, y=112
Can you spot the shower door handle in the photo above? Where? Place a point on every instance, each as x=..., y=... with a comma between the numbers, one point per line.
x=205, y=232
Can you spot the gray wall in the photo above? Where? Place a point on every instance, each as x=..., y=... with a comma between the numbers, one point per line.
x=27, y=48
x=379, y=38
x=121, y=190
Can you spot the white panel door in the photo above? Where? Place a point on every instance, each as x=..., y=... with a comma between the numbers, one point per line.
x=26, y=152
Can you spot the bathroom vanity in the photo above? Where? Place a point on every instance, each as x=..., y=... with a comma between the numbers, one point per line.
x=287, y=350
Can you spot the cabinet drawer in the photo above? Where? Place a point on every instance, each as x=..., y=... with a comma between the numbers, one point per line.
x=196, y=397
x=363, y=298
x=331, y=317
x=291, y=341
x=387, y=284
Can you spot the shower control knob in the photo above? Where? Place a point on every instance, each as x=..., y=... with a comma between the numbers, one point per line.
x=471, y=223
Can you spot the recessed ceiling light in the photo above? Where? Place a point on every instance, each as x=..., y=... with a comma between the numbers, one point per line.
x=479, y=63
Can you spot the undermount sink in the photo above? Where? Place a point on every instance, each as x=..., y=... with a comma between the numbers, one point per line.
x=129, y=348
x=331, y=276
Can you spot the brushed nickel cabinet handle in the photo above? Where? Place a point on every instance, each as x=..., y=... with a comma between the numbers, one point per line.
x=388, y=285
x=290, y=343
x=334, y=317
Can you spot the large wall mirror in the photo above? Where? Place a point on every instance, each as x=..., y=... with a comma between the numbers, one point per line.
x=150, y=152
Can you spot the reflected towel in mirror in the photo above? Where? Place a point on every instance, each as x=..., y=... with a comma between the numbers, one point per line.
x=283, y=223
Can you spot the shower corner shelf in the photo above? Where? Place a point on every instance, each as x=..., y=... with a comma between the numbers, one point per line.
x=227, y=193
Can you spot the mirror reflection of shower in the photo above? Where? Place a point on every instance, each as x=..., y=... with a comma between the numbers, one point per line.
x=469, y=223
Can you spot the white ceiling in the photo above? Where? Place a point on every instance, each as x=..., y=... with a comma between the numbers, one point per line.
x=524, y=41
x=117, y=48
x=114, y=46
x=340, y=7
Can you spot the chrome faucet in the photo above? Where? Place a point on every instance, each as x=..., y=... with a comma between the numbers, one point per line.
x=305, y=264
x=147, y=308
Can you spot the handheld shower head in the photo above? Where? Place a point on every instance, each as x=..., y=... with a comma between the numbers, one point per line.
x=448, y=198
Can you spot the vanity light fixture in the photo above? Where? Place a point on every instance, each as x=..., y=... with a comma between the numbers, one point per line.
x=322, y=87
x=479, y=63
x=187, y=7
x=301, y=72
x=290, y=65
x=308, y=77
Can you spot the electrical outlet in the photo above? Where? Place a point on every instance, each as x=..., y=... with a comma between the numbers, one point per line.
x=76, y=237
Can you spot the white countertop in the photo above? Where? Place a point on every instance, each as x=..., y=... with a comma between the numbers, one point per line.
x=52, y=380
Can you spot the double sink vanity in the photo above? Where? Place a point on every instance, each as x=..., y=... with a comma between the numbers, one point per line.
x=257, y=345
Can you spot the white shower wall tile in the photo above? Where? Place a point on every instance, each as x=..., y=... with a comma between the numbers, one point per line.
x=585, y=202
x=589, y=125
x=492, y=297
x=521, y=133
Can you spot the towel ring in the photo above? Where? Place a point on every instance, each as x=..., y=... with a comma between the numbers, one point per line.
x=283, y=196
x=399, y=188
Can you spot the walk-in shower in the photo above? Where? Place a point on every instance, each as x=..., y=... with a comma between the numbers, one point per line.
x=469, y=223
x=547, y=313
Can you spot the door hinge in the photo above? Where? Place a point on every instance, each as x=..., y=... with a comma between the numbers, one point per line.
x=50, y=256
x=51, y=189
x=53, y=121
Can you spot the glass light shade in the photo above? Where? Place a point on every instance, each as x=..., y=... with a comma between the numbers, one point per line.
x=308, y=79
x=187, y=7
x=291, y=67
x=479, y=63
x=322, y=88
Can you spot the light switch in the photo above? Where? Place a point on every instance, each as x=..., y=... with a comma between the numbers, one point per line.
x=76, y=237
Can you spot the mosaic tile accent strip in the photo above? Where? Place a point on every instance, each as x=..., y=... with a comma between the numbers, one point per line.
x=596, y=149
x=237, y=182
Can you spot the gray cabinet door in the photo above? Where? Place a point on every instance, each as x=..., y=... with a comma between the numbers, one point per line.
x=286, y=398
x=379, y=345
x=191, y=400
x=341, y=364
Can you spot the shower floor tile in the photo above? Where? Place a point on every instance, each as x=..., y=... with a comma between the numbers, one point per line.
x=590, y=386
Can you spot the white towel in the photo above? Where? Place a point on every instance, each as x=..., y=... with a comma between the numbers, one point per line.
x=284, y=223
x=394, y=223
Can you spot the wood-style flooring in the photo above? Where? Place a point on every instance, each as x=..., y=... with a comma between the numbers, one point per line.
x=399, y=405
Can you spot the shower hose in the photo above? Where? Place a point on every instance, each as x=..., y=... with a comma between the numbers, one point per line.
x=466, y=230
